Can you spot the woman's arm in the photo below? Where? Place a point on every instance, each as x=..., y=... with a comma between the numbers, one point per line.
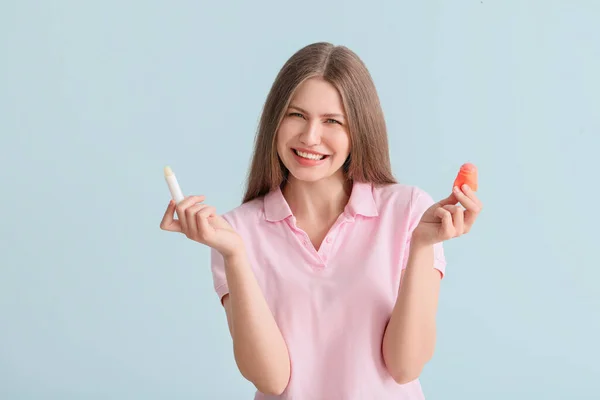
x=409, y=339
x=259, y=348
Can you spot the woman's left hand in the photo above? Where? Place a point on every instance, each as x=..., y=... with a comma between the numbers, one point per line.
x=446, y=219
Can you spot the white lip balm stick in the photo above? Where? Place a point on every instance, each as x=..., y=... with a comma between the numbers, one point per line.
x=174, y=188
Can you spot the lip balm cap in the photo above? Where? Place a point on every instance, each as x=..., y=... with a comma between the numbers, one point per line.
x=468, y=167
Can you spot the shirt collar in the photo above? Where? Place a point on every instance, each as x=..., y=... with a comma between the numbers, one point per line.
x=361, y=202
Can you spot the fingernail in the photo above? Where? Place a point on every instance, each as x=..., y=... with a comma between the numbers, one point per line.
x=466, y=187
x=456, y=189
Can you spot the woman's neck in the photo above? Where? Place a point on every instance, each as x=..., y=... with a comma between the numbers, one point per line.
x=323, y=200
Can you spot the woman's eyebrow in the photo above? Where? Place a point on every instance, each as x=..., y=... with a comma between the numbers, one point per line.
x=329, y=115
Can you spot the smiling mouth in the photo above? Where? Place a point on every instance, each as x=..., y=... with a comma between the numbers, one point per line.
x=309, y=156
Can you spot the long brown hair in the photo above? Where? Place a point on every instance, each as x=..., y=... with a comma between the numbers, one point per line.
x=369, y=159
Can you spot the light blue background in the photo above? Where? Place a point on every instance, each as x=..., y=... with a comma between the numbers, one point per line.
x=96, y=97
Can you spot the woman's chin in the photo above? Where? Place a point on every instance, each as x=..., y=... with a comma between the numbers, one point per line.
x=313, y=175
x=307, y=176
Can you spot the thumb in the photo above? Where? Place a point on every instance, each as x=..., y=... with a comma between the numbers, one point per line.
x=448, y=201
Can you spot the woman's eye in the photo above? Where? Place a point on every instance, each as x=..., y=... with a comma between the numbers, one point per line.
x=329, y=120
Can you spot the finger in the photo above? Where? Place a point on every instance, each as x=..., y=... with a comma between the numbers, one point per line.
x=181, y=217
x=190, y=200
x=458, y=217
x=217, y=221
x=202, y=221
x=167, y=218
x=447, y=226
x=182, y=206
x=466, y=200
x=472, y=195
x=472, y=204
x=207, y=211
x=190, y=218
x=168, y=223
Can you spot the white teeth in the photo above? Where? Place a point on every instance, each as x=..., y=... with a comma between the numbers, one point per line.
x=310, y=156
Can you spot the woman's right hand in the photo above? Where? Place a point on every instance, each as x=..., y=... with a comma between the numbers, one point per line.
x=200, y=222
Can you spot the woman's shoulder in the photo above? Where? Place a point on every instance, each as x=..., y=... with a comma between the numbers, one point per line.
x=401, y=201
x=400, y=197
x=245, y=214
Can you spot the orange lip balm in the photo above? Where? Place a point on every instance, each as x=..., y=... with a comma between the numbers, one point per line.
x=467, y=175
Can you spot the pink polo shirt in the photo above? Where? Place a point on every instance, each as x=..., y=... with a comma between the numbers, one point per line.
x=332, y=305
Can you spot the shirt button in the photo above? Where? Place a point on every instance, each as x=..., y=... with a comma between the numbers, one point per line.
x=329, y=239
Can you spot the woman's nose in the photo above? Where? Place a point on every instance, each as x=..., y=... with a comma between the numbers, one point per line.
x=311, y=134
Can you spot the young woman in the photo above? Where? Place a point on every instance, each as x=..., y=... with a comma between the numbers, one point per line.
x=329, y=271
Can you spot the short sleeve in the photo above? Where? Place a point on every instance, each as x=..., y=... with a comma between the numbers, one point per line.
x=217, y=265
x=420, y=202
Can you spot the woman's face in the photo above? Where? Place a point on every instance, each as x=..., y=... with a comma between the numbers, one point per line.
x=313, y=141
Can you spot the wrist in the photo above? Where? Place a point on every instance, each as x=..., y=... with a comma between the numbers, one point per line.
x=420, y=253
x=235, y=256
x=417, y=244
